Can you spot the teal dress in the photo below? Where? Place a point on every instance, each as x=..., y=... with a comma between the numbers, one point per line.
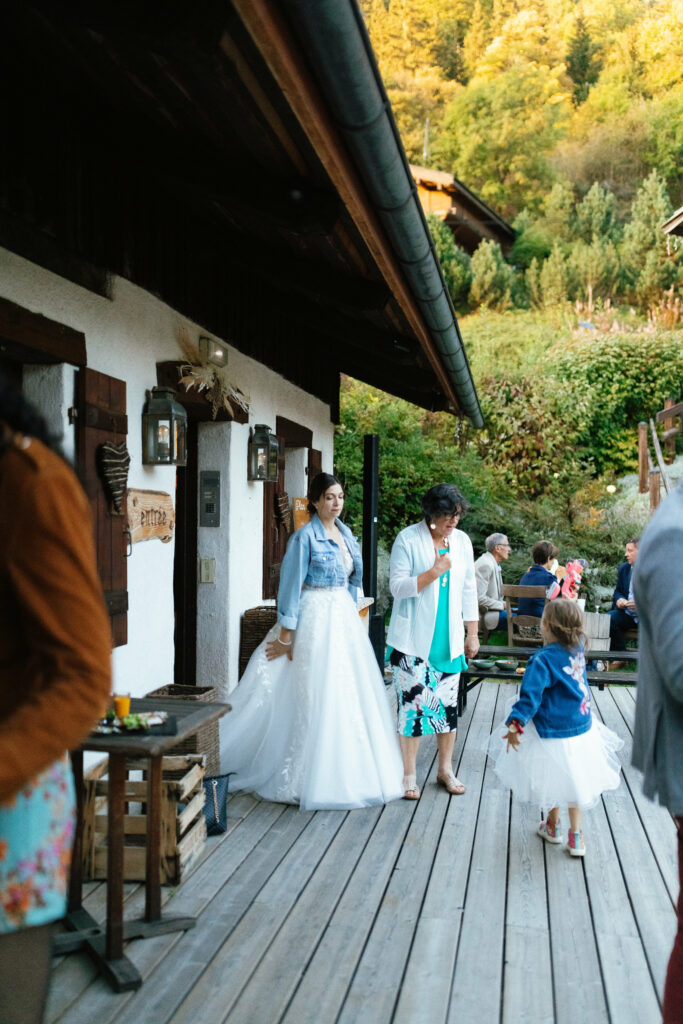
x=428, y=690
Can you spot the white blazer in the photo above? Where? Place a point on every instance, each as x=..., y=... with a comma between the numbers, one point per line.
x=413, y=615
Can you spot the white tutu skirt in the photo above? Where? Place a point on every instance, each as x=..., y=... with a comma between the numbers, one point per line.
x=570, y=772
x=316, y=730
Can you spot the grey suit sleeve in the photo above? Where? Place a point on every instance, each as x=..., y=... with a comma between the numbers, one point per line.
x=658, y=589
x=483, y=574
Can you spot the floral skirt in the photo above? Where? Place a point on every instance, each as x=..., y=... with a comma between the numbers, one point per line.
x=36, y=835
x=427, y=698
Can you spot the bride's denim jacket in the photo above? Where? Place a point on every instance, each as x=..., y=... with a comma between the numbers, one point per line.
x=313, y=560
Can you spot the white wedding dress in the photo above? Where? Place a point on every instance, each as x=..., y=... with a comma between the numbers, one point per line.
x=316, y=730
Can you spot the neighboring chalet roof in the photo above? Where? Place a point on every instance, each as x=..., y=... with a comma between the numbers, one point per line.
x=470, y=219
x=674, y=225
x=240, y=160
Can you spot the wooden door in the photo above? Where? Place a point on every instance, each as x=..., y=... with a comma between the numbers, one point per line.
x=101, y=416
x=274, y=533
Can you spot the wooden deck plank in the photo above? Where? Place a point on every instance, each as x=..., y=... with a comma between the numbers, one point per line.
x=183, y=967
x=527, y=989
x=323, y=988
x=274, y=982
x=480, y=949
x=305, y=918
x=432, y=956
x=635, y=842
x=628, y=983
x=655, y=818
x=397, y=917
x=577, y=981
x=100, y=1004
x=247, y=943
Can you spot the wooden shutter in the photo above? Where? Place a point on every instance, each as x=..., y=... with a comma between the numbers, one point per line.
x=315, y=464
x=274, y=533
x=101, y=416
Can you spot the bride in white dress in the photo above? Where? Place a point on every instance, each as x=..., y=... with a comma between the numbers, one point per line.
x=310, y=720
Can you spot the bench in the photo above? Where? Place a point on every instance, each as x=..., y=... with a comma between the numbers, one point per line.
x=472, y=676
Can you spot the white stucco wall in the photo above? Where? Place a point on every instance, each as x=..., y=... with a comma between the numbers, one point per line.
x=125, y=337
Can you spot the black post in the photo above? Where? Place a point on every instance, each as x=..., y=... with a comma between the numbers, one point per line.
x=370, y=531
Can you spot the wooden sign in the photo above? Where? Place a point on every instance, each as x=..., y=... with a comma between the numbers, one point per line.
x=301, y=513
x=150, y=515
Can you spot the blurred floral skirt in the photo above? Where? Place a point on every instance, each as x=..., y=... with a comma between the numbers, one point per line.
x=427, y=698
x=36, y=835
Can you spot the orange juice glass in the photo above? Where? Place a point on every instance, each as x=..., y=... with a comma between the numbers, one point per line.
x=122, y=706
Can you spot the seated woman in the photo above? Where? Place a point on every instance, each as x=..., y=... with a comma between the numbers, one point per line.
x=544, y=554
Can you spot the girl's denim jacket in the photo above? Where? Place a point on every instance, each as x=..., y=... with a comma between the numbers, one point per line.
x=313, y=560
x=555, y=693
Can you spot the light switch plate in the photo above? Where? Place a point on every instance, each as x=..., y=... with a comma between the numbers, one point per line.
x=207, y=570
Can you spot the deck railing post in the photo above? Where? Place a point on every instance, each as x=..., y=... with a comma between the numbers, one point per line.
x=643, y=467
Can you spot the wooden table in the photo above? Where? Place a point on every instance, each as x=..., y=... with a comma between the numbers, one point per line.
x=105, y=945
x=472, y=676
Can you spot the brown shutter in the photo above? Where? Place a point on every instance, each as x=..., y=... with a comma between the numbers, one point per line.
x=274, y=533
x=315, y=464
x=101, y=404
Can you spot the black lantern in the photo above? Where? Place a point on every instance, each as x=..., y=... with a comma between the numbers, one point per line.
x=263, y=453
x=164, y=429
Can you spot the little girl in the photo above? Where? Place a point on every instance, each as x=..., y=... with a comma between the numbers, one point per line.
x=560, y=753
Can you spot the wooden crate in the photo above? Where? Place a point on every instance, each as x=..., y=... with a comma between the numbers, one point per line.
x=596, y=631
x=183, y=826
x=206, y=739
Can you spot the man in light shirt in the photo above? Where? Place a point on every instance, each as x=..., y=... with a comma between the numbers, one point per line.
x=624, y=615
x=492, y=614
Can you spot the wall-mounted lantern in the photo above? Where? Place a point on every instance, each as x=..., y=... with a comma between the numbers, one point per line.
x=164, y=429
x=263, y=453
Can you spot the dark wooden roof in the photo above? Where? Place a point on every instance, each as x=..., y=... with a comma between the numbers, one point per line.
x=156, y=143
x=471, y=221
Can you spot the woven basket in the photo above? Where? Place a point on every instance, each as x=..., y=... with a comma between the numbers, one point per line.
x=255, y=624
x=205, y=740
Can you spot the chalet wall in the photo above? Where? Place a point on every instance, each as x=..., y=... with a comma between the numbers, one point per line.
x=126, y=335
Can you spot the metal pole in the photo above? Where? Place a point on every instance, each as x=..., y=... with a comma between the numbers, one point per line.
x=370, y=533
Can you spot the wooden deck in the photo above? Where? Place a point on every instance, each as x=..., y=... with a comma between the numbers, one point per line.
x=448, y=909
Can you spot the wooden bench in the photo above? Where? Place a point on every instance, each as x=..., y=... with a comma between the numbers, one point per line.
x=472, y=675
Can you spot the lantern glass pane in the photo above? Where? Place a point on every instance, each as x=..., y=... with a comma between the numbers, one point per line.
x=163, y=441
x=180, y=450
x=272, y=459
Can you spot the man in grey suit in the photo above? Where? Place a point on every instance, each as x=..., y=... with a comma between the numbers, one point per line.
x=492, y=613
x=658, y=732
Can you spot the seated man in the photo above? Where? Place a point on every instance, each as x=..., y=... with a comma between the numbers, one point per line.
x=544, y=554
x=492, y=614
x=624, y=615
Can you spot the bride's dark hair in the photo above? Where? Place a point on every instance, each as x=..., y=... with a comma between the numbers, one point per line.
x=320, y=483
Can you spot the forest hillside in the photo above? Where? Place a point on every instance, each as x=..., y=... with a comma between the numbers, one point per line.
x=567, y=119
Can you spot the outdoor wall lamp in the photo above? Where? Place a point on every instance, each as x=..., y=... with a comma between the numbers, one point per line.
x=213, y=352
x=263, y=454
x=164, y=429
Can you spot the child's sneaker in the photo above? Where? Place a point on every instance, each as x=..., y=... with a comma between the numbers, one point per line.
x=550, y=832
x=575, y=844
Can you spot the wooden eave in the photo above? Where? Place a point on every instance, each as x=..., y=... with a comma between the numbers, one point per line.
x=207, y=130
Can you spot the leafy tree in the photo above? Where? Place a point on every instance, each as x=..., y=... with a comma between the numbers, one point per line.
x=492, y=278
x=582, y=66
x=554, y=278
x=474, y=42
x=455, y=263
x=594, y=267
x=497, y=134
x=644, y=256
x=622, y=378
x=596, y=214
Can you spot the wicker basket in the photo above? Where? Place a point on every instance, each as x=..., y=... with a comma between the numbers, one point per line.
x=255, y=624
x=205, y=740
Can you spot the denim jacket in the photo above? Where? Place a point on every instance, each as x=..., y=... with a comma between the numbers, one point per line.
x=313, y=560
x=555, y=693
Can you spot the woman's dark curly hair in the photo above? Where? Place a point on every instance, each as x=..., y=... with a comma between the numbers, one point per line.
x=320, y=483
x=443, y=500
x=21, y=418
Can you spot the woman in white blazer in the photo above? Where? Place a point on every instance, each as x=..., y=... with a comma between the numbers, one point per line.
x=435, y=596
